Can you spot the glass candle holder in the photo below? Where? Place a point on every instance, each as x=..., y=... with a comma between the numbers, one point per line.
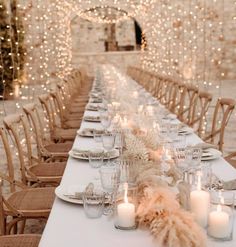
x=128, y=170
x=125, y=207
x=221, y=215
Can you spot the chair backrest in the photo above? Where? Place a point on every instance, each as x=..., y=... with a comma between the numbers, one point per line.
x=58, y=105
x=156, y=87
x=223, y=110
x=163, y=89
x=188, y=103
x=46, y=103
x=35, y=120
x=18, y=129
x=10, y=176
x=200, y=108
x=178, y=98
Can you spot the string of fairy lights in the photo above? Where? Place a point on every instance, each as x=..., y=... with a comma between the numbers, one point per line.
x=181, y=39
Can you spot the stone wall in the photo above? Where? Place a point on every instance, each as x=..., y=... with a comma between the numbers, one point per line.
x=90, y=37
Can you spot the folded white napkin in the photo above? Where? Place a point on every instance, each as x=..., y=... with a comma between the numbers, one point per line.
x=205, y=145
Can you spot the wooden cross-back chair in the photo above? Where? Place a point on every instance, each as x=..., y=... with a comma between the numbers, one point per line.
x=136, y=74
x=189, y=101
x=33, y=170
x=131, y=72
x=156, y=87
x=199, y=110
x=23, y=202
x=70, y=121
x=177, y=98
x=153, y=85
x=73, y=107
x=169, y=92
x=57, y=133
x=145, y=80
x=47, y=150
x=223, y=110
x=26, y=240
x=163, y=89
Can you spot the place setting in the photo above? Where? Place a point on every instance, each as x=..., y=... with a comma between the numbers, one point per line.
x=90, y=132
x=91, y=118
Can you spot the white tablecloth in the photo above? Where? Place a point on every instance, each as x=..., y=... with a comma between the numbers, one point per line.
x=68, y=226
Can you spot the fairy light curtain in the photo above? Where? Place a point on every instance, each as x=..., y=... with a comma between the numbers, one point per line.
x=185, y=39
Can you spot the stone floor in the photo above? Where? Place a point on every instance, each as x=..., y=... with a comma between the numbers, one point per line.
x=29, y=95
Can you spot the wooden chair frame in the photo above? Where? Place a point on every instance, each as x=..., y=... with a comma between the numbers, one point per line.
x=16, y=189
x=226, y=107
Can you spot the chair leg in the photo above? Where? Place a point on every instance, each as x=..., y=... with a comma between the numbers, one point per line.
x=22, y=226
x=15, y=227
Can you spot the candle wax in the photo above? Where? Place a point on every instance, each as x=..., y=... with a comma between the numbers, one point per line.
x=219, y=226
x=126, y=214
x=199, y=204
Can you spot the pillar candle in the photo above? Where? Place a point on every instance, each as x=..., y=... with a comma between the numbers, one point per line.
x=219, y=224
x=200, y=204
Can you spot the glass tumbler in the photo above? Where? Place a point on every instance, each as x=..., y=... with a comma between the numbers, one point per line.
x=97, y=136
x=108, y=141
x=110, y=177
x=94, y=203
x=193, y=156
x=96, y=159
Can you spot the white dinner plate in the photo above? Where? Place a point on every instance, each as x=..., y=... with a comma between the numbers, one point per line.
x=73, y=193
x=114, y=154
x=210, y=154
x=68, y=193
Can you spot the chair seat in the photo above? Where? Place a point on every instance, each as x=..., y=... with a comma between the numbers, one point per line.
x=72, y=124
x=65, y=134
x=73, y=116
x=35, y=202
x=62, y=148
x=49, y=171
x=23, y=240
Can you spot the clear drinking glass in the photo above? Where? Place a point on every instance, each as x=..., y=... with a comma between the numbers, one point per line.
x=96, y=159
x=105, y=120
x=97, y=136
x=193, y=156
x=93, y=203
x=110, y=177
x=108, y=141
x=128, y=170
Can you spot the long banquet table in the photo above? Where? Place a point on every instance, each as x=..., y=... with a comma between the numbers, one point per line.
x=68, y=226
